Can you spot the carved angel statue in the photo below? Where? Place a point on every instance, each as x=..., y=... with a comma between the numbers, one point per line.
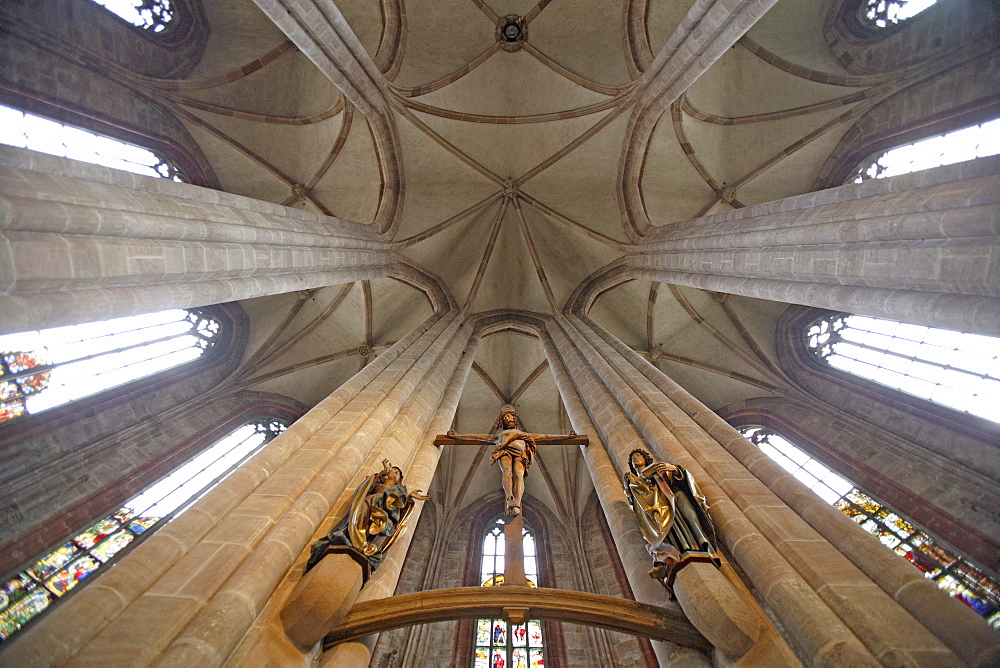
x=515, y=451
x=672, y=515
x=377, y=517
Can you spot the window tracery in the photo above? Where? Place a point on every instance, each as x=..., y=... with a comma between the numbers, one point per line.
x=25, y=130
x=955, y=574
x=977, y=141
x=29, y=592
x=498, y=643
x=47, y=368
x=151, y=15
x=953, y=369
x=885, y=13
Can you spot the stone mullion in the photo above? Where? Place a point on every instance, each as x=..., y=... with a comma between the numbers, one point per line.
x=227, y=615
x=567, y=366
x=814, y=627
x=952, y=622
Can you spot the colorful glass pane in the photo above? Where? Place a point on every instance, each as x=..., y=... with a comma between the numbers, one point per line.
x=10, y=410
x=66, y=579
x=96, y=533
x=520, y=658
x=537, y=660
x=483, y=632
x=962, y=579
x=534, y=634
x=518, y=635
x=53, y=561
x=112, y=546
x=499, y=632
x=140, y=524
x=481, y=658
x=17, y=614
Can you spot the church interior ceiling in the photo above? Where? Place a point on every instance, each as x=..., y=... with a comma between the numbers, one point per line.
x=471, y=118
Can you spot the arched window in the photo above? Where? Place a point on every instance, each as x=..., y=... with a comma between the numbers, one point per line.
x=977, y=141
x=47, y=368
x=152, y=15
x=26, y=594
x=952, y=572
x=500, y=644
x=884, y=13
x=961, y=371
x=46, y=136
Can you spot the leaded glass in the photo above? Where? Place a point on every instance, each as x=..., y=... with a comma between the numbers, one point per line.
x=977, y=141
x=31, y=591
x=500, y=644
x=952, y=572
x=41, y=134
x=152, y=15
x=50, y=367
x=957, y=370
x=883, y=13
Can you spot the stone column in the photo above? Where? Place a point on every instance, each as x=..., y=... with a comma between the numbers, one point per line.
x=189, y=594
x=628, y=540
x=81, y=242
x=919, y=248
x=954, y=623
x=830, y=610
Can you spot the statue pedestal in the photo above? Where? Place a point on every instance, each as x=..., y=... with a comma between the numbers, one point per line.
x=716, y=609
x=321, y=599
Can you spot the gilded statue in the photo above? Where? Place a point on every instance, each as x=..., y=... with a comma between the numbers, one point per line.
x=514, y=450
x=672, y=514
x=377, y=517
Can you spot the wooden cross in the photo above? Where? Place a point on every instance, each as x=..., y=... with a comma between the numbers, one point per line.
x=514, y=449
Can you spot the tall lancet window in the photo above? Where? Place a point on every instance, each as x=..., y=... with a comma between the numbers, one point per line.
x=961, y=371
x=500, y=644
x=977, y=141
x=24, y=130
x=26, y=594
x=884, y=13
x=50, y=367
x=152, y=15
x=959, y=576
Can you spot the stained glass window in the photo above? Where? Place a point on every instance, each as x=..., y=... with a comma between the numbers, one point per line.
x=957, y=575
x=977, y=141
x=500, y=644
x=152, y=15
x=961, y=371
x=50, y=367
x=24, y=595
x=41, y=134
x=884, y=13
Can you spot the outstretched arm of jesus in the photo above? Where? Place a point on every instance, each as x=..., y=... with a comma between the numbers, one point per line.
x=479, y=438
x=551, y=438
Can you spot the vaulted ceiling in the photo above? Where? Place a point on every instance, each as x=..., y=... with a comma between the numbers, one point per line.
x=511, y=179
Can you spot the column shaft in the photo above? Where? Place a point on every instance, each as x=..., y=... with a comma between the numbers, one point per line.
x=196, y=587
x=952, y=622
x=918, y=247
x=80, y=242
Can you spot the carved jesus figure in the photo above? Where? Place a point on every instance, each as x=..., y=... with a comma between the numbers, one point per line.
x=514, y=451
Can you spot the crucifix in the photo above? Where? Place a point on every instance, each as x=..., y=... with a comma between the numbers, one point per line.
x=514, y=449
